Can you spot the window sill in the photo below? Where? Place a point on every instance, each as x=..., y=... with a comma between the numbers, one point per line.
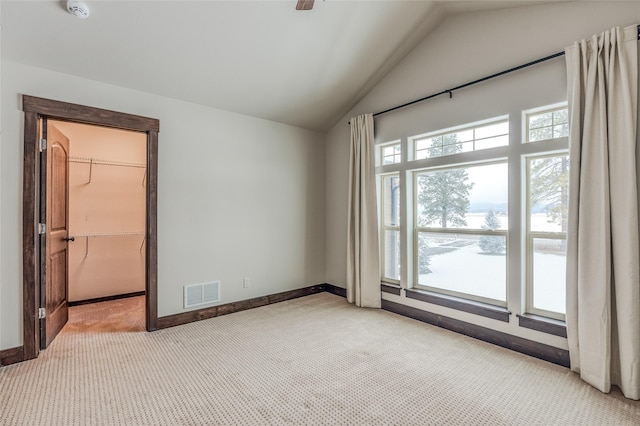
x=390, y=288
x=472, y=307
x=543, y=324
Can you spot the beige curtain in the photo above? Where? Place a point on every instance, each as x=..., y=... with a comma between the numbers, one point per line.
x=363, y=261
x=603, y=286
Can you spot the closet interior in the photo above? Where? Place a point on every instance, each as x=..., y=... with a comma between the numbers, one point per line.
x=106, y=212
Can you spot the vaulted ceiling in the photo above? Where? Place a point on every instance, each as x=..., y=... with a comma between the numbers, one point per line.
x=259, y=58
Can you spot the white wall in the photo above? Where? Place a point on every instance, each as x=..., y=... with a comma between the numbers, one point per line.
x=463, y=48
x=237, y=196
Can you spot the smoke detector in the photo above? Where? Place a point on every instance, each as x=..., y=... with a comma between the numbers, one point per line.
x=78, y=8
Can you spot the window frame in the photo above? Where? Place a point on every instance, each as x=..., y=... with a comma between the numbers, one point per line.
x=518, y=263
x=541, y=149
x=383, y=227
x=526, y=116
x=380, y=153
x=413, y=140
x=530, y=236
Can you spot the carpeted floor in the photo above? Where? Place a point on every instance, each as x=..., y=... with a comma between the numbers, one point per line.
x=313, y=360
x=116, y=316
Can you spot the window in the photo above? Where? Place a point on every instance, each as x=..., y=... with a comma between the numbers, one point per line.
x=547, y=206
x=390, y=241
x=548, y=124
x=484, y=213
x=547, y=213
x=492, y=134
x=390, y=153
x=461, y=219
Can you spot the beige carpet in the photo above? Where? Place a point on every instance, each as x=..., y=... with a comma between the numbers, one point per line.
x=116, y=316
x=313, y=360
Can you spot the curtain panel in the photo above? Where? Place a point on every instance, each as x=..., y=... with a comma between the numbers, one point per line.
x=363, y=259
x=603, y=260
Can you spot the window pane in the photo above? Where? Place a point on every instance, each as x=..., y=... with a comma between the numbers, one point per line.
x=391, y=197
x=462, y=197
x=497, y=129
x=391, y=154
x=470, y=139
x=561, y=131
x=561, y=116
x=392, y=254
x=540, y=120
x=549, y=271
x=423, y=144
x=541, y=134
x=548, y=125
x=469, y=146
x=465, y=135
x=469, y=264
x=492, y=142
x=549, y=194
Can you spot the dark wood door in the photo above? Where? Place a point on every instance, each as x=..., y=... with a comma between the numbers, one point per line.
x=54, y=296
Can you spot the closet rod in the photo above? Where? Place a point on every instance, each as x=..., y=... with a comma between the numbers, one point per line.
x=480, y=80
x=105, y=162
x=111, y=234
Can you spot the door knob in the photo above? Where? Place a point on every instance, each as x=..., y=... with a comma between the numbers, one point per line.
x=70, y=239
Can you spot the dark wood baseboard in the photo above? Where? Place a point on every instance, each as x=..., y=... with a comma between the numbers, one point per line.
x=229, y=308
x=107, y=298
x=334, y=289
x=518, y=344
x=11, y=356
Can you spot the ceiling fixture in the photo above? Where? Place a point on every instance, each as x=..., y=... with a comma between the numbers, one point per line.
x=78, y=8
x=304, y=5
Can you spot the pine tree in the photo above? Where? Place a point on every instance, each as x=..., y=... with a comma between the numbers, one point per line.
x=550, y=188
x=443, y=196
x=423, y=256
x=492, y=244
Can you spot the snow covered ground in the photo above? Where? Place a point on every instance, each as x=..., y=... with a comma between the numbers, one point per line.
x=469, y=270
x=549, y=282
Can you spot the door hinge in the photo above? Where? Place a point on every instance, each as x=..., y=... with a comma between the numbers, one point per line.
x=43, y=144
x=42, y=228
x=42, y=313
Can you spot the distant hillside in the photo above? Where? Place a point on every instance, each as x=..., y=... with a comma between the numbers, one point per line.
x=485, y=207
x=499, y=208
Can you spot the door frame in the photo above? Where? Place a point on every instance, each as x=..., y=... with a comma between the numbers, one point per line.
x=34, y=109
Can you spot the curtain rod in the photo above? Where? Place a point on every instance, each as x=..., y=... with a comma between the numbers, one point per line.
x=480, y=80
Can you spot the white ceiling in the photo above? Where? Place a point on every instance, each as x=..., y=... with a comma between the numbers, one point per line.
x=260, y=58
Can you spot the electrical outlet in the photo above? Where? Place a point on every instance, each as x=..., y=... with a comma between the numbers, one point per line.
x=246, y=283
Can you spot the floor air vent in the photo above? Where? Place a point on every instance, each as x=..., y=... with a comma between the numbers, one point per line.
x=201, y=294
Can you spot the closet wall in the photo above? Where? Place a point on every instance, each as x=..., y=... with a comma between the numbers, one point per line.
x=107, y=178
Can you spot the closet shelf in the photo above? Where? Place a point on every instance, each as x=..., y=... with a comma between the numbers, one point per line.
x=108, y=235
x=89, y=160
